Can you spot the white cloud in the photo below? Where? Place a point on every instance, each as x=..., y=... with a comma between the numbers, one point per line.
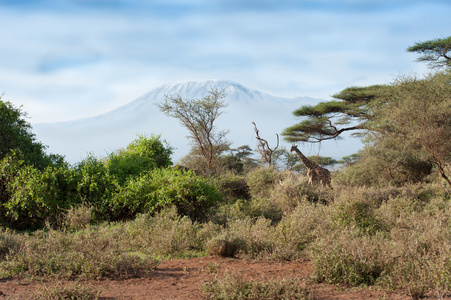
x=72, y=59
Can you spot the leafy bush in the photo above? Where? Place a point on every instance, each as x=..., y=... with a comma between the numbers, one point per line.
x=16, y=136
x=141, y=155
x=358, y=214
x=192, y=195
x=39, y=196
x=261, y=181
x=96, y=186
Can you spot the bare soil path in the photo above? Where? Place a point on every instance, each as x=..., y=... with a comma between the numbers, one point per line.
x=182, y=278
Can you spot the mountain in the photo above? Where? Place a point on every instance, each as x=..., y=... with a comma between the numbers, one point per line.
x=108, y=132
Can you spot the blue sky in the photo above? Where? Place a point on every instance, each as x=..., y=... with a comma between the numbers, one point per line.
x=65, y=60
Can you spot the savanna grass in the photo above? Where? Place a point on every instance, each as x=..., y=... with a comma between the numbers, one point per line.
x=234, y=286
x=87, y=254
x=64, y=291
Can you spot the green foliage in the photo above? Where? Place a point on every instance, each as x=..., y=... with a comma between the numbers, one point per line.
x=142, y=154
x=360, y=96
x=16, y=135
x=417, y=118
x=328, y=120
x=349, y=159
x=39, y=196
x=96, y=186
x=358, y=214
x=192, y=195
x=436, y=52
x=30, y=196
x=261, y=180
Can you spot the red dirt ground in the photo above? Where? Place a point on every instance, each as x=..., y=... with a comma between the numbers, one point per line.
x=182, y=278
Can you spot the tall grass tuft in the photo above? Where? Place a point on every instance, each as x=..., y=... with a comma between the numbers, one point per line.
x=63, y=291
x=234, y=286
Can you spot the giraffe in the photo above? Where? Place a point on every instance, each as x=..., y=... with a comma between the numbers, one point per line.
x=314, y=171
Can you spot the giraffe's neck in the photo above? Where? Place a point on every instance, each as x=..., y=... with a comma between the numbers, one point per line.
x=307, y=162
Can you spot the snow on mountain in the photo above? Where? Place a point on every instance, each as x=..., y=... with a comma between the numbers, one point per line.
x=106, y=133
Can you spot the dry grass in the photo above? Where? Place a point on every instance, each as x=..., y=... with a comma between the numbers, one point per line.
x=233, y=286
x=396, y=238
x=62, y=291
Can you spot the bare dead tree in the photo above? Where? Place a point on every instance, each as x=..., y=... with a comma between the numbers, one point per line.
x=263, y=147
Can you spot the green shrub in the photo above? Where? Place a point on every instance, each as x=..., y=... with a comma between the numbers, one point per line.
x=261, y=181
x=193, y=195
x=359, y=214
x=141, y=155
x=39, y=196
x=96, y=186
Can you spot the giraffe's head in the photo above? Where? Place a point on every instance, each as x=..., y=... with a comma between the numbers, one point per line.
x=293, y=148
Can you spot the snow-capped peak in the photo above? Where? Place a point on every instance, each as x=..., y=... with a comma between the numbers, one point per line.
x=201, y=88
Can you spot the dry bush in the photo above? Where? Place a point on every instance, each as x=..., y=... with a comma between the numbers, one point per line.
x=78, y=217
x=345, y=257
x=299, y=228
x=61, y=291
x=403, y=243
x=223, y=246
x=232, y=185
x=423, y=253
x=257, y=236
x=167, y=234
x=87, y=254
x=356, y=214
x=234, y=286
x=9, y=243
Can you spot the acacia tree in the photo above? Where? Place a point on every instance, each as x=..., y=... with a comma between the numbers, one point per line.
x=199, y=116
x=436, y=52
x=366, y=111
x=353, y=110
x=418, y=115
